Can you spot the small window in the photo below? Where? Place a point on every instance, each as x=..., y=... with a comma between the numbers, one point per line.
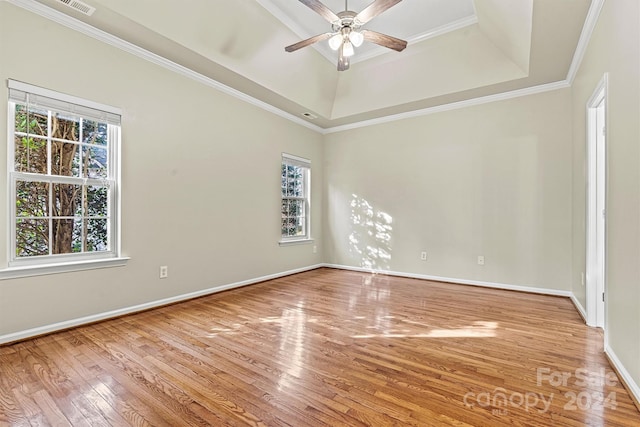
x=63, y=177
x=295, y=177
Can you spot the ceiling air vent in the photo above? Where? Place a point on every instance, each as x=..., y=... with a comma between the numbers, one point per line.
x=79, y=6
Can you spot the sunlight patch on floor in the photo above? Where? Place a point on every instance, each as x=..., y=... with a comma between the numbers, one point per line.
x=478, y=329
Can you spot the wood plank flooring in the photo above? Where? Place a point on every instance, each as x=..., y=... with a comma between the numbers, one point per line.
x=323, y=348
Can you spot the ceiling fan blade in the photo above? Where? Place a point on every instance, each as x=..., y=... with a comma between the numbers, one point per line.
x=384, y=40
x=307, y=42
x=343, y=61
x=374, y=9
x=321, y=10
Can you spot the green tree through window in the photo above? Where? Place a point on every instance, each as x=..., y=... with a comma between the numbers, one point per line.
x=63, y=177
x=295, y=197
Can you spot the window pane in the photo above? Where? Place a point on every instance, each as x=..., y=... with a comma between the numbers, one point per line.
x=67, y=200
x=291, y=227
x=94, y=132
x=32, y=199
x=285, y=208
x=298, y=187
x=77, y=236
x=97, y=201
x=65, y=158
x=65, y=127
x=284, y=227
x=62, y=234
x=97, y=235
x=294, y=182
x=300, y=226
x=94, y=163
x=291, y=175
x=30, y=154
x=296, y=208
x=32, y=237
x=35, y=119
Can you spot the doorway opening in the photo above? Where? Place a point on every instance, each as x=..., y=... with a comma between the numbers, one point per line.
x=596, y=206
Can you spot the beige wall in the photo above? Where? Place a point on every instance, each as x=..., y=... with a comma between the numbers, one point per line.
x=491, y=180
x=614, y=48
x=200, y=176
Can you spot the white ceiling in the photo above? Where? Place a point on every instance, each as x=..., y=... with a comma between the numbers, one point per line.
x=458, y=50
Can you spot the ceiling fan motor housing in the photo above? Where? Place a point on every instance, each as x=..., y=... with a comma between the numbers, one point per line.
x=347, y=20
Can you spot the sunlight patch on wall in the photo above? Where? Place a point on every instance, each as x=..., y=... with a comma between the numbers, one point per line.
x=370, y=238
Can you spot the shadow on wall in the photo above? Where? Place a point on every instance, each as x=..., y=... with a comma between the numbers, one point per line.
x=370, y=238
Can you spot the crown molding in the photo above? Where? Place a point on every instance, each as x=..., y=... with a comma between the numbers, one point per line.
x=88, y=30
x=436, y=32
x=444, y=29
x=585, y=38
x=453, y=106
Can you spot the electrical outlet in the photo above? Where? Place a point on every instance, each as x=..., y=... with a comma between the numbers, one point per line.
x=315, y=249
x=582, y=278
x=423, y=256
x=164, y=271
x=480, y=260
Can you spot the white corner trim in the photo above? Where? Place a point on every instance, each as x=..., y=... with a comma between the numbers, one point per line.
x=580, y=308
x=88, y=30
x=585, y=38
x=504, y=286
x=628, y=380
x=29, y=333
x=453, y=106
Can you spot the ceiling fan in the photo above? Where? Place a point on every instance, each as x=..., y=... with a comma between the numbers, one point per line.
x=346, y=32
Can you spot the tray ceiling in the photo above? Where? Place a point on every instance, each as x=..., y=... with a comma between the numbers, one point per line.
x=458, y=50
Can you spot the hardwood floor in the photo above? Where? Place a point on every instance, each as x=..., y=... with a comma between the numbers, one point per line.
x=326, y=347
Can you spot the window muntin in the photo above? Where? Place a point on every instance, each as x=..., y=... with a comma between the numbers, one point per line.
x=63, y=177
x=295, y=206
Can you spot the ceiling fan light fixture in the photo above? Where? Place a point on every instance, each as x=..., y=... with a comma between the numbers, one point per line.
x=356, y=38
x=347, y=49
x=335, y=41
x=346, y=33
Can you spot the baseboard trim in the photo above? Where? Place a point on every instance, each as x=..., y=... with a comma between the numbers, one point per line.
x=624, y=375
x=580, y=308
x=55, y=327
x=504, y=286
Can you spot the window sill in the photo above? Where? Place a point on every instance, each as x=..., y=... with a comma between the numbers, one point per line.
x=66, y=267
x=295, y=242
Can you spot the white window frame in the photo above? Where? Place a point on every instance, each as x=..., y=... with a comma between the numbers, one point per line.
x=57, y=102
x=289, y=159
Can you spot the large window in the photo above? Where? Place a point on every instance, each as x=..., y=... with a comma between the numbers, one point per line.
x=295, y=177
x=63, y=175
